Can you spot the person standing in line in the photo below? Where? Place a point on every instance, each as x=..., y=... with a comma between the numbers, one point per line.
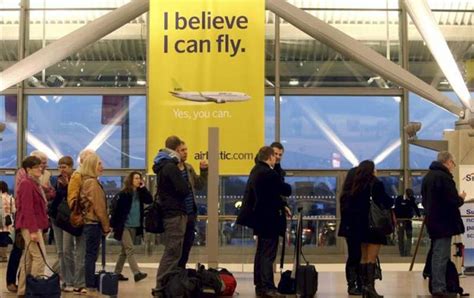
x=17, y=248
x=31, y=219
x=172, y=190
x=441, y=201
x=405, y=207
x=96, y=219
x=127, y=221
x=353, y=277
x=265, y=211
x=60, y=184
x=365, y=187
x=75, y=246
x=195, y=182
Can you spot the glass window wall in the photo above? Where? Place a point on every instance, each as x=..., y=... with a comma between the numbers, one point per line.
x=9, y=36
x=339, y=132
x=8, y=138
x=114, y=126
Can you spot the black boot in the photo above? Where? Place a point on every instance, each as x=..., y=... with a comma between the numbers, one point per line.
x=369, y=284
x=353, y=281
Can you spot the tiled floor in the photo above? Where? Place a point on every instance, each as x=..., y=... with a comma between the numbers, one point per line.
x=397, y=282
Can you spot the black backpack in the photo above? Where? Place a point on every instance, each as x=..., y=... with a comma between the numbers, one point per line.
x=452, y=280
x=182, y=283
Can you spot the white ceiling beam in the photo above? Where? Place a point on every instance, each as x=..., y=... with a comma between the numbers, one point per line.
x=71, y=43
x=360, y=53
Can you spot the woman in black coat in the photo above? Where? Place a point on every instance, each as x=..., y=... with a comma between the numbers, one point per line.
x=127, y=221
x=366, y=186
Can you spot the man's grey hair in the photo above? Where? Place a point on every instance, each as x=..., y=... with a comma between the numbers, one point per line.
x=444, y=156
x=39, y=154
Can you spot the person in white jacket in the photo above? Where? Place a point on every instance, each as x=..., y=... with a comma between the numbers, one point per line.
x=7, y=208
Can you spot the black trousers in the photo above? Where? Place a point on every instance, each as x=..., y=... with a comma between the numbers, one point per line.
x=188, y=240
x=263, y=264
x=353, y=259
x=13, y=263
x=404, y=228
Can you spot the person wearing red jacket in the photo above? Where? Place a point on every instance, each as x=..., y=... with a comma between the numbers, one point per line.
x=31, y=219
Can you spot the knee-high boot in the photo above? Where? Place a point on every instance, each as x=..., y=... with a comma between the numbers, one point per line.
x=369, y=284
x=353, y=281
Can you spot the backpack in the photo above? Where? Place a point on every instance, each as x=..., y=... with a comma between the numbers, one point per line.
x=113, y=205
x=452, y=280
x=182, y=283
x=230, y=283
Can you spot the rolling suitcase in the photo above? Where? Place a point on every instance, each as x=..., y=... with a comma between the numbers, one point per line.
x=107, y=282
x=306, y=275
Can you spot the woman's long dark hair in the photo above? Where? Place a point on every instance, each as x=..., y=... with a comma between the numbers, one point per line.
x=364, y=176
x=128, y=183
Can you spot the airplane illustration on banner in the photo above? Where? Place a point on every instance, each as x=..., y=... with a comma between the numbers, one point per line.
x=209, y=96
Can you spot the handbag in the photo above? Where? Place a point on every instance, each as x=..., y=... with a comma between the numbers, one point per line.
x=380, y=220
x=77, y=214
x=42, y=286
x=63, y=219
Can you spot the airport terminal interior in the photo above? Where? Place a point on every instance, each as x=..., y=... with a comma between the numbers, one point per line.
x=330, y=108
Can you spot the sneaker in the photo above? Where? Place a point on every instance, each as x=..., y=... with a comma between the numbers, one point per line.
x=80, y=291
x=121, y=277
x=139, y=276
x=68, y=289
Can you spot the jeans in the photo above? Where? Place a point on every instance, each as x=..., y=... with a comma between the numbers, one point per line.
x=188, y=240
x=58, y=241
x=128, y=252
x=74, y=256
x=263, y=263
x=404, y=227
x=173, y=238
x=439, y=261
x=13, y=263
x=93, y=235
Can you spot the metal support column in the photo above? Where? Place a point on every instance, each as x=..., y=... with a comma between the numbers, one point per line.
x=277, y=80
x=404, y=111
x=212, y=235
x=20, y=98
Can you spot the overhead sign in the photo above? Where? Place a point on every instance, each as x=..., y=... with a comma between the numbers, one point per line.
x=206, y=70
x=466, y=183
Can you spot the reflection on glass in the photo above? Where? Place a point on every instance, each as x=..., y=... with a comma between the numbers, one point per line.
x=8, y=138
x=114, y=126
x=117, y=60
x=339, y=132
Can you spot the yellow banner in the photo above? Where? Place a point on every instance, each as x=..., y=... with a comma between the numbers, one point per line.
x=206, y=69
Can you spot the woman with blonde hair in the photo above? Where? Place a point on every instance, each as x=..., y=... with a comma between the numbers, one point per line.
x=96, y=221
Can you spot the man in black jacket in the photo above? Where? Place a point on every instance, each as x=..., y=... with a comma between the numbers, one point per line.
x=405, y=207
x=441, y=201
x=172, y=191
x=267, y=217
